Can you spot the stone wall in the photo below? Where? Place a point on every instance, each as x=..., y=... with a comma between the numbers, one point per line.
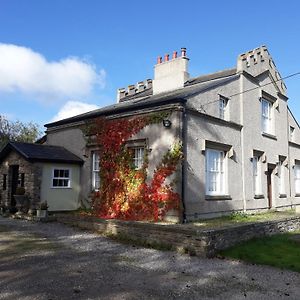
x=189, y=238
x=32, y=173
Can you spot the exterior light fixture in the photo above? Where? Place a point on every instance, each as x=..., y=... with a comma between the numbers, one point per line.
x=167, y=123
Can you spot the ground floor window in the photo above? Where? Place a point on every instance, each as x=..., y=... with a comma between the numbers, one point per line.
x=256, y=175
x=95, y=171
x=297, y=179
x=4, y=183
x=215, y=172
x=281, y=175
x=61, y=178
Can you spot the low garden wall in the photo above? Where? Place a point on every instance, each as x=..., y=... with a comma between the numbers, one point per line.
x=183, y=237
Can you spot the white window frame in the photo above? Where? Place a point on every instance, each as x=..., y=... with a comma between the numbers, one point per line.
x=216, y=172
x=267, y=116
x=138, y=156
x=297, y=178
x=95, y=171
x=222, y=107
x=256, y=170
x=61, y=178
x=281, y=178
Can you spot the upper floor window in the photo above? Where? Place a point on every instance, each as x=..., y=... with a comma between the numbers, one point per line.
x=215, y=172
x=95, y=171
x=222, y=107
x=61, y=178
x=256, y=167
x=266, y=116
x=292, y=133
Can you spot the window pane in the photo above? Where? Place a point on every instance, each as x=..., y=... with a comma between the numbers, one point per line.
x=56, y=173
x=215, y=172
x=95, y=171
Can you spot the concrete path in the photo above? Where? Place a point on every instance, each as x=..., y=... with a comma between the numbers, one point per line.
x=53, y=261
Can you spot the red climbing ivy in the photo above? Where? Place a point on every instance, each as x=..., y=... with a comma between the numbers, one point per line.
x=126, y=193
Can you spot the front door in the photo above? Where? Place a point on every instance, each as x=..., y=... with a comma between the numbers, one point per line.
x=269, y=183
x=14, y=175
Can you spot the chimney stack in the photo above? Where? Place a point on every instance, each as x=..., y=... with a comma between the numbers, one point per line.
x=170, y=74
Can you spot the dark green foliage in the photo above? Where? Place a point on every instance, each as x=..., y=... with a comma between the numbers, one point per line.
x=18, y=131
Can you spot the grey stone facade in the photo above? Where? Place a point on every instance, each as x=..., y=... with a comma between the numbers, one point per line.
x=197, y=122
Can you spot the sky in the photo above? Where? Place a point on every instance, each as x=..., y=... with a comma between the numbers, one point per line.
x=64, y=57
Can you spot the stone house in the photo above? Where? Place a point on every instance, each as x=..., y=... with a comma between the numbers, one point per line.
x=241, y=143
x=48, y=173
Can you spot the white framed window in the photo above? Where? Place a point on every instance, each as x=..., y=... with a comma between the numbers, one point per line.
x=222, y=108
x=292, y=133
x=297, y=178
x=256, y=167
x=215, y=172
x=95, y=171
x=266, y=116
x=138, y=157
x=61, y=178
x=281, y=178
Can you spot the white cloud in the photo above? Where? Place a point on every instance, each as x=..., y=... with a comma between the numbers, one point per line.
x=23, y=70
x=73, y=108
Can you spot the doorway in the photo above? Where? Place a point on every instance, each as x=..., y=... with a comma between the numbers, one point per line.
x=269, y=186
x=14, y=175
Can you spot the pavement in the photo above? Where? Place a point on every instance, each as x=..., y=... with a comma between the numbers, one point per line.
x=53, y=261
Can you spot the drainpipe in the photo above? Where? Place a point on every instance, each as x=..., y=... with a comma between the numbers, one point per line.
x=183, y=165
x=241, y=86
x=289, y=155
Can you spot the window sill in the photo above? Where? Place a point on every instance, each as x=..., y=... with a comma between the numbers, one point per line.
x=260, y=196
x=61, y=187
x=282, y=195
x=270, y=136
x=218, y=197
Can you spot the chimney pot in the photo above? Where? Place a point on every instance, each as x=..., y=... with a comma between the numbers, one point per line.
x=183, y=52
x=159, y=60
x=167, y=57
x=174, y=54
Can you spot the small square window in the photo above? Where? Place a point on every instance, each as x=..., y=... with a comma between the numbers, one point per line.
x=61, y=178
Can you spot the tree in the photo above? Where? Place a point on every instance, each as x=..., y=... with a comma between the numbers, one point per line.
x=18, y=131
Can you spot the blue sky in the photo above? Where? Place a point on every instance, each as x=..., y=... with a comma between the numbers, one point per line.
x=61, y=56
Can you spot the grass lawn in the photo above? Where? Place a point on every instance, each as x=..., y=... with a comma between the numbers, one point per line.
x=282, y=251
x=240, y=218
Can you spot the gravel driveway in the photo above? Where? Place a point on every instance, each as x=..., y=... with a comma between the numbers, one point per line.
x=66, y=263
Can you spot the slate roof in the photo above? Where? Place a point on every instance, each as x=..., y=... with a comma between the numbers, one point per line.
x=147, y=99
x=41, y=153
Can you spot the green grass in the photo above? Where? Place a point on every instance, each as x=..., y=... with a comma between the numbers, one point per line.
x=280, y=251
x=240, y=218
